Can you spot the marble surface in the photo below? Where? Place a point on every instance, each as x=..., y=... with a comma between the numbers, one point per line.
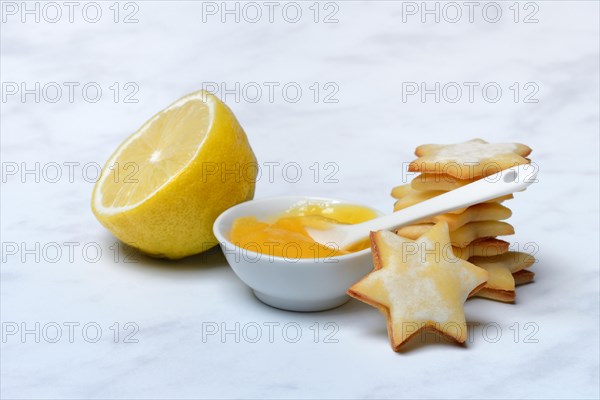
x=544, y=346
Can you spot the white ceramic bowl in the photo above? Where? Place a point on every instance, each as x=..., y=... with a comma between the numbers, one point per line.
x=305, y=284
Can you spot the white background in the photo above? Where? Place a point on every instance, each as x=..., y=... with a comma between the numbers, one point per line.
x=368, y=55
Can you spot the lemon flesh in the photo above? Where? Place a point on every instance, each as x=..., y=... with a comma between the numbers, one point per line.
x=163, y=188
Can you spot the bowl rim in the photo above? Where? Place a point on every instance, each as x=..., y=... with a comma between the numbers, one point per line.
x=217, y=230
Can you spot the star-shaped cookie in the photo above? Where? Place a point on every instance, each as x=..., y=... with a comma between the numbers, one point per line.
x=524, y=276
x=474, y=213
x=419, y=284
x=484, y=247
x=429, y=182
x=464, y=235
x=406, y=196
x=469, y=160
x=501, y=269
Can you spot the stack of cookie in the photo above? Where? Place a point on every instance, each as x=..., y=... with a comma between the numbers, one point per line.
x=474, y=231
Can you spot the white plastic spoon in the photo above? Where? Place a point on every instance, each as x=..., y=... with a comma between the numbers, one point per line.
x=502, y=183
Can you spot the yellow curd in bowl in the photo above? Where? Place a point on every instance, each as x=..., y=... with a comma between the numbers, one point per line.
x=285, y=235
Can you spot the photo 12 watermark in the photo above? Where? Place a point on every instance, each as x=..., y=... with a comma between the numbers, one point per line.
x=490, y=332
x=274, y=91
x=455, y=12
x=67, y=252
x=69, y=92
x=55, y=12
x=269, y=332
x=443, y=175
x=273, y=171
x=470, y=92
x=69, y=332
x=253, y=12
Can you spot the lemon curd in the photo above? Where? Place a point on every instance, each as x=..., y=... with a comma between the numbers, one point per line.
x=285, y=235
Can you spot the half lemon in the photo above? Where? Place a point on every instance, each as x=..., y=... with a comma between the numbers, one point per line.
x=165, y=185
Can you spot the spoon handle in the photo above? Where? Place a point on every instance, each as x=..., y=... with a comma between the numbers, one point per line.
x=502, y=183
